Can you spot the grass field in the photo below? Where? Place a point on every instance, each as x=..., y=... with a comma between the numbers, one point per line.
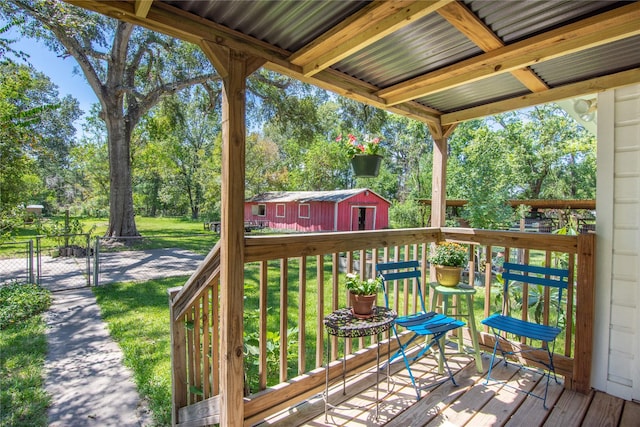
x=156, y=233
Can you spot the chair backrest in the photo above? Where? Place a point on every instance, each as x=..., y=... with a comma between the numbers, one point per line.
x=514, y=273
x=400, y=272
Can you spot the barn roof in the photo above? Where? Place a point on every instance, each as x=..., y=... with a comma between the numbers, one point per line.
x=439, y=61
x=309, y=196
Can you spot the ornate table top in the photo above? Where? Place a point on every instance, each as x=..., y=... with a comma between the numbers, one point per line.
x=342, y=323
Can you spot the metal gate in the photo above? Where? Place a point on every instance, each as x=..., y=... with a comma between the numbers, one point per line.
x=65, y=264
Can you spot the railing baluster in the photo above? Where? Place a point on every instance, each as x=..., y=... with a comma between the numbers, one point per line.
x=302, y=314
x=284, y=303
x=206, y=337
x=335, y=273
x=570, y=307
x=262, y=328
x=320, y=311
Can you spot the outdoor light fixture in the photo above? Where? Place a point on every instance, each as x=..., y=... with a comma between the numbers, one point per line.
x=585, y=108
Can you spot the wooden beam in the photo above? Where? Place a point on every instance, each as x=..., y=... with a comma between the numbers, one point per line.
x=598, y=84
x=142, y=7
x=360, y=30
x=458, y=15
x=594, y=31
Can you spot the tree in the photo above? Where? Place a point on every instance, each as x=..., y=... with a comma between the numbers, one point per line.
x=130, y=69
x=29, y=107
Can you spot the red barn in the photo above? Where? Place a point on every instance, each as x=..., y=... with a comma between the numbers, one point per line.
x=311, y=211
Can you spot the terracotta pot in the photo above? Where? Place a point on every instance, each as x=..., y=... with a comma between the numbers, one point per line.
x=362, y=305
x=366, y=165
x=448, y=276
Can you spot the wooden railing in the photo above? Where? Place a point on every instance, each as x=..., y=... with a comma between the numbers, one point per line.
x=295, y=280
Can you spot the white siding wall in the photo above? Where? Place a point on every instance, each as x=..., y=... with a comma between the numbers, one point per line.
x=616, y=363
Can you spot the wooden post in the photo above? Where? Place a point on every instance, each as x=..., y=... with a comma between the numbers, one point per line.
x=232, y=241
x=585, y=313
x=438, y=183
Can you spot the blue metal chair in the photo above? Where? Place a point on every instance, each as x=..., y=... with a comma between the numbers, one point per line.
x=420, y=324
x=515, y=275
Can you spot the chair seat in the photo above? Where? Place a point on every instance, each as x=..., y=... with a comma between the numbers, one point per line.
x=417, y=318
x=435, y=325
x=522, y=327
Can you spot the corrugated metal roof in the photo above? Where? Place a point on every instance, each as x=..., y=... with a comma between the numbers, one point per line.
x=613, y=57
x=426, y=45
x=495, y=88
x=289, y=25
x=423, y=46
x=307, y=196
x=515, y=20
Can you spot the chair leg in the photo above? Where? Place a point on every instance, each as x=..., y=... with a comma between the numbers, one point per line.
x=493, y=357
x=444, y=359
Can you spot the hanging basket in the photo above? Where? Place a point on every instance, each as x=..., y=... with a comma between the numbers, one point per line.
x=448, y=276
x=366, y=165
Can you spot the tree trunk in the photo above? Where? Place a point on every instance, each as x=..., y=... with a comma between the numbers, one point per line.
x=121, y=214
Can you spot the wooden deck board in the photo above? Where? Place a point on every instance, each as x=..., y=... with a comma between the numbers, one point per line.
x=605, y=410
x=569, y=410
x=630, y=414
x=531, y=412
x=471, y=403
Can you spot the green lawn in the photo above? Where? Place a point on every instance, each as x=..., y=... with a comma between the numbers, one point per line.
x=156, y=233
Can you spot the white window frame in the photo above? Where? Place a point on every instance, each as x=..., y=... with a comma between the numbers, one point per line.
x=308, y=206
x=255, y=209
x=282, y=206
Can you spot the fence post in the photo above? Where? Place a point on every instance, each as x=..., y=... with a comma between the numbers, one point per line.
x=88, y=257
x=39, y=258
x=30, y=262
x=96, y=261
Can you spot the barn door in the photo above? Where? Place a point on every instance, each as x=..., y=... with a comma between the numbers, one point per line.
x=363, y=218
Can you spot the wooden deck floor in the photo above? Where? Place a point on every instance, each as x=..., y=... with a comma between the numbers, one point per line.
x=471, y=403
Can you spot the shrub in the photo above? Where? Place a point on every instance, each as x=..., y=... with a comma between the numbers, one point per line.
x=19, y=301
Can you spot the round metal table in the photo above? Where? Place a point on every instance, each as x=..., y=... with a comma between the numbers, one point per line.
x=342, y=323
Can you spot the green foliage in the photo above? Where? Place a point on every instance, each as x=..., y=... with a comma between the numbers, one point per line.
x=20, y=301
x=407, y=214
x=362, y=287
x=449, y=254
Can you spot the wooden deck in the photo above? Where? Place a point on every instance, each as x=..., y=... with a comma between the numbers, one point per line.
x=471, y=403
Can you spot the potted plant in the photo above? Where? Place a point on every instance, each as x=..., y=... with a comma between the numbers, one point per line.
x=365, y=156
x=362, y=294
x=449, y=258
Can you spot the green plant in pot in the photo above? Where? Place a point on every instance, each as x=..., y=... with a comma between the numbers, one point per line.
x=449, y=258
x=362, y=294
